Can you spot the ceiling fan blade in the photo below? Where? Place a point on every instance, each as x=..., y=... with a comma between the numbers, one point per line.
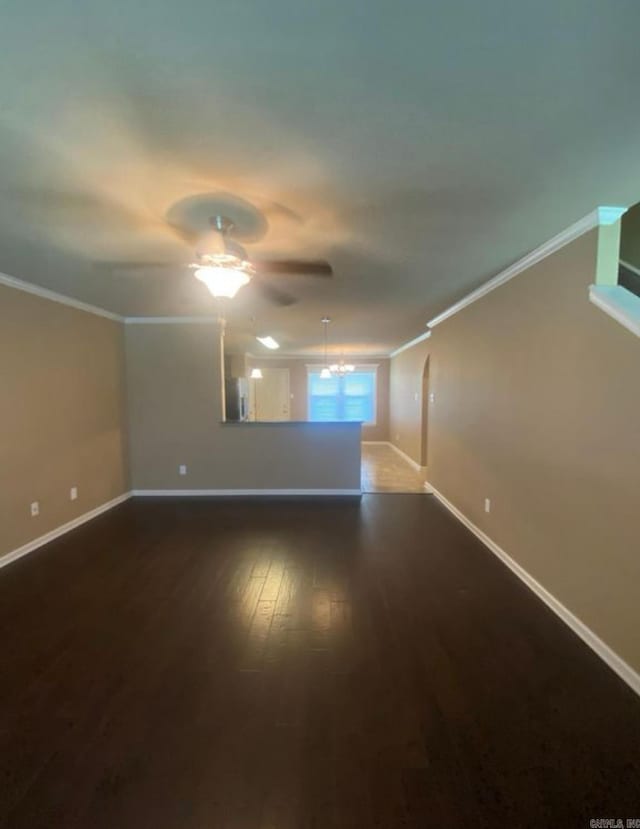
x=276, y=210
x=136, y=264
x=182, y=233
x=272, y=293
x=306, y=267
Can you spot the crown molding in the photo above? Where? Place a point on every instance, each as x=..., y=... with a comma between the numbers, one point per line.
x=604, y=215
x=310, y=358
x=359, y=364
x=53, y=296
x=610, y=215
x=599, y=216
x=170, y=320
x=411, y=343
x=63, y=299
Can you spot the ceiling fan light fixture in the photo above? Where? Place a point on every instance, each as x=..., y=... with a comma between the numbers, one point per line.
x=222, y=281
x=325, y=374
x=268, y=342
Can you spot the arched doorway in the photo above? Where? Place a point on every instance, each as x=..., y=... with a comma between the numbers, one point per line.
x=425, y=415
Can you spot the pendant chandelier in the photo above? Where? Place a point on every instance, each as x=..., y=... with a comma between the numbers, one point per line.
x=341, y=368
x=335, y=369
x=325, y=373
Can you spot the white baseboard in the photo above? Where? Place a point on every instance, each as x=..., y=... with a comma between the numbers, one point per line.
x=30, y=546
x=402, y=454
x=236, y=493
x=406, y=457
x=620, y=304
x=615, y=662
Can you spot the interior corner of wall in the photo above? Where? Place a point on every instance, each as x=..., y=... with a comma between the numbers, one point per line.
x=608, y=253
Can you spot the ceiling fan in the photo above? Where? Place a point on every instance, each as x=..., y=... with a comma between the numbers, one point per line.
x=210, y=222
x=223, y=265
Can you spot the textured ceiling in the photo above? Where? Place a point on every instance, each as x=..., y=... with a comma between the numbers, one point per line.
x=420, y=147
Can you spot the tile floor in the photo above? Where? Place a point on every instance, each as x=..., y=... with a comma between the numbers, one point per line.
x=384, y=470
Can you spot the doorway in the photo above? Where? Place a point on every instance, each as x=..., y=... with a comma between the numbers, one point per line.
x=269, y=396
x=385, y=467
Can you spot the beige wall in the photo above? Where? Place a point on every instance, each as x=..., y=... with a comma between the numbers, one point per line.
x=61, y=414
x=298, y=384
x=538, y=408
x=406, y=429
x=173, y=380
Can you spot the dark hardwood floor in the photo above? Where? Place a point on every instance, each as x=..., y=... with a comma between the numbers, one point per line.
x=298, y=665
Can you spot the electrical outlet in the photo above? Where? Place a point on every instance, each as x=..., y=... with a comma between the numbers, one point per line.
x=397, y=437
x=182, y=469
x=73, y=493
x=487, y=504
x=35, y=509
x=432, y=397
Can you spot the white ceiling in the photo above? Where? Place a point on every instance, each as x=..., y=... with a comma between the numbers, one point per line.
x=421, y=146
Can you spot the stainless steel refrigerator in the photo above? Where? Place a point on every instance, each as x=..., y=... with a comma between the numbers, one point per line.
x=236, y=394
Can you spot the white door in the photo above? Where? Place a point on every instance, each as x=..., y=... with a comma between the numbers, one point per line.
x=270, y=396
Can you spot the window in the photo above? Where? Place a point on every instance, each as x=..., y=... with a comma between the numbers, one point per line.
x=352, y=397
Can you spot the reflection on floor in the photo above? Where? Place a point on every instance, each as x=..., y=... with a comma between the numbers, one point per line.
x=298, y=663
x=384, y=470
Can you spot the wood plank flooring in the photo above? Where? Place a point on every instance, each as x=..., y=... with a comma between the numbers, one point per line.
x=298, y=665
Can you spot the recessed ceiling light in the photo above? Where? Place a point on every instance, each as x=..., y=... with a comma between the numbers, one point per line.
x=268, y=342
